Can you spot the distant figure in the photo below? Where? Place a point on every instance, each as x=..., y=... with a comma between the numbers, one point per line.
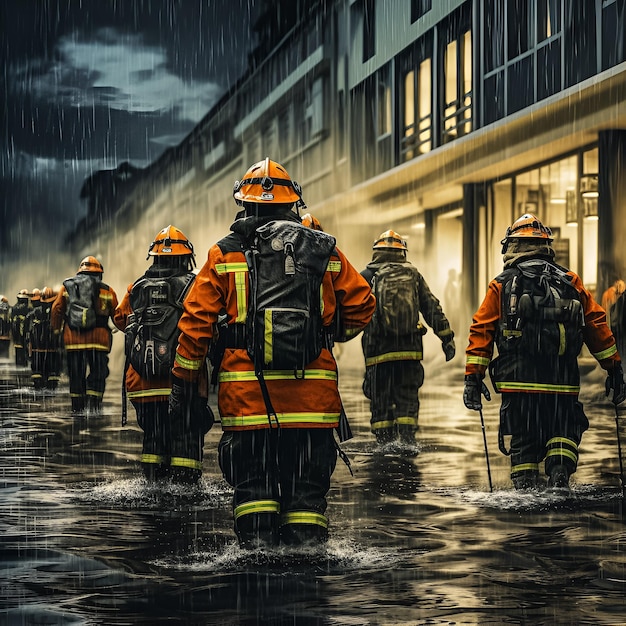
x=19, y=311
x=538, y=314
x=452, y=298
x=44, y=343
x=148, y=314
x=82, y=310
x=610, y=296
x=5, y=326
x=392, y=342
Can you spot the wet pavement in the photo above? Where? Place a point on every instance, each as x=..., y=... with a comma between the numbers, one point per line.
x=416, y=535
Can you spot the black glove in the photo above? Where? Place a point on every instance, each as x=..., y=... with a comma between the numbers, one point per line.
x=186, y=404
x=449, y=349
x=474, y=386
x=615, y=381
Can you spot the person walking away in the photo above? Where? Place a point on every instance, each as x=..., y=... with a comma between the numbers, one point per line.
x=538, y=314
x=44, y=343
x=392, y=342
x=610, y=297
x=82, y=310
x=148, y=314
x=278, y=286
x=5, y=326
x=19, y=311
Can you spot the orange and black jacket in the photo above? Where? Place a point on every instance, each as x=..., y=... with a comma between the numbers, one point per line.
x=98, y=338
x=550, y=374
x=221, y=289
x=139, y=389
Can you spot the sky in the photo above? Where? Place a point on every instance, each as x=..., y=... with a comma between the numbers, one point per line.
x=89, y=84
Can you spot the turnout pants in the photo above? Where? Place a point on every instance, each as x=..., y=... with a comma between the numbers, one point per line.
x=281, y=477
x=153, y=419
x=542, y=427
x=392, y=389
x=88, y=371
x=46, y=368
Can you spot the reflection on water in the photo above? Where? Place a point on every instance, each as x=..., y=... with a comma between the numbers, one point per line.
x=416, y=536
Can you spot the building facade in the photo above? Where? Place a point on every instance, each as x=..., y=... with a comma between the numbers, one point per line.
x=444, y=120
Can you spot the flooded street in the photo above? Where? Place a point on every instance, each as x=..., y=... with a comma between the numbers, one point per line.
x=416, y=535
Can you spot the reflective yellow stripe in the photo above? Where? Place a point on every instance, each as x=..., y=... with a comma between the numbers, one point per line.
x=151, y=458
x=605, y=354
x=538, y=387
x=148, y=393
x=563, y=452
x=304, y=517
x=188, y=364
x=256, y=506
x=511, y=333
x=409, y=421
x=333, y=266
x=384, y=424
x=445, y=333
x=477, y=360
x=565, y=440
x=267, y=337
x=241, y=280
x=178, y=461
x=352, y=332
x=95, y=394
x=561, y=338
x=87, y=346
x=283, y=418
x=394, y=356
x=313, y=374
x=76, y=395
x=228, y=268
x=525, y=467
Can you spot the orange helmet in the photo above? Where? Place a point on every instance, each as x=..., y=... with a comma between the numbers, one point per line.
x=35, y=295
x=267, y=182
x=90, y=265
x=391, y=240
x=47, y=293
x=310, y=221
x=528, y=227
x=3, y=299
x=170, y=242
x=23, y=293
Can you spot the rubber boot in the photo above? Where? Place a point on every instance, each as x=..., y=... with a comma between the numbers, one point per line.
x=526, y=480
x=406, y=434
x=559, y=477
x=257, y=530
x=94, y=405
x=303, y=534
x=385, y=435
x=78, y=405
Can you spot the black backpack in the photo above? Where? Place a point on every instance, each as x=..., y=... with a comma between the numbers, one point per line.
x=151, y=335
x=542, y=315
x=82, y=289
x=396, y=287
x=41, y=335
x=286, y=262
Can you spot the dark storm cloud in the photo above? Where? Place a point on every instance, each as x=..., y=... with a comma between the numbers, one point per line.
x=91, y=83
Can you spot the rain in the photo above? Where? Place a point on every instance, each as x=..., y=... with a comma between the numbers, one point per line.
x=440, y=122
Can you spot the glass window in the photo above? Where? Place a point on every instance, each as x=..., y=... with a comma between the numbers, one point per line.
x=519, y=27
x=494, y=97
x=613, y=33
x=548, y=18
x=549, y=65
x=341, y=124
x=369, y=31
x=580, y=41
x=425, y=90
x=384, y=103
x=520, y=87
x=494, y=34
x=419, y=8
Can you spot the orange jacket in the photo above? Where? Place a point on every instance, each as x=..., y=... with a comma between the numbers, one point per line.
x=98, y=338
x=309, y=402
x=484, y=333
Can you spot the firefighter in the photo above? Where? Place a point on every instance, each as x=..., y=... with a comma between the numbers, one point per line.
x=82, y=310
x=538, y=315
x=279, y=462
x=149, y=314
x=19, y=311
x=5, y=326
x=392, y=342
x=44, y=343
